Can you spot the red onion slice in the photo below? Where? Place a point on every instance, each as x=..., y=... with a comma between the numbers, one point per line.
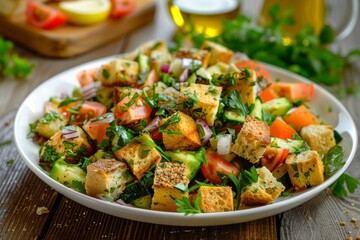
x=70, y=132
x=185, y=75
x=224, y=144
x=204, y=131
x=154, y=124
x=165, y=68
x=89, y=91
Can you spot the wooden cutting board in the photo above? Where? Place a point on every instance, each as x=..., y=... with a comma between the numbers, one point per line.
x=71, y=40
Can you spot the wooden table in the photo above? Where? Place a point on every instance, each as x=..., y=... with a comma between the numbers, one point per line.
x=21, y=192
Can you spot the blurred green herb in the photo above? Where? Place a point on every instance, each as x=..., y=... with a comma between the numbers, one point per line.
x=343, y=185
x=11, y=65
x=306, y=55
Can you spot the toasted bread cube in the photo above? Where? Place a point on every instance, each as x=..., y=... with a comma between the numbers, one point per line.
x=146, y=49
x=158, y=58
x=252, y=140
x=209, y=100
x=168, y=176
x=121, y=92
x=264, y=191
x=119, y=72
x=245, y=84
x=305, y=169
x=218, y=53
x=50, y=123
x=73, y=149
x=139, y=155
x=216, y=199
x=319, y=137
x=192, y=53
x=107, y=177
x=181, y=134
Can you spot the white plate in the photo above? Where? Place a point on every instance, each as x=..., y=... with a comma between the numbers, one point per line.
x=324, y=104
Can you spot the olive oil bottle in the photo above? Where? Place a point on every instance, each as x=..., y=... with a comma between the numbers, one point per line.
x=205, y=16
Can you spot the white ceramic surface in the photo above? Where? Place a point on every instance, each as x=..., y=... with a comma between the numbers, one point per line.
x=32, y=109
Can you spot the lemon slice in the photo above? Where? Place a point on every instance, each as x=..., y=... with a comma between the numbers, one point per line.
x=86, y=12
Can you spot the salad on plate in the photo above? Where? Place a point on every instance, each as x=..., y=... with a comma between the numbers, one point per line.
x=195, y=131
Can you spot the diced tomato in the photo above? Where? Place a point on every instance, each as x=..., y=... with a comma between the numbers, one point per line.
x=274, y=157
x=281, y=129
x=152, y=78
x=257, y=67
x=216, y=164
x=96, y=130
x=121, y=8
x=86, y=77
x=301, y=117
x=137, y=111
x=88, y=110
x=43, y=16
x=157, y=135
x=295, y=91
x=267, y=94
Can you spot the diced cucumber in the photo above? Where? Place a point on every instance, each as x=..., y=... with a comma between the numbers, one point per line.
x=192, y=78
x=134, y=191
x=66, y=173
x=203, y=76
x=293, y=145
x=105, y=96
x=144, y=63
x=218, y=69
x=191, y=159
x=176, y=68
x=234, y=116
x=143, y=202
x=257, y=110
x=277, y=106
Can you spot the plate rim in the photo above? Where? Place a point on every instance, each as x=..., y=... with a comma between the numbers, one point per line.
x=174, y=218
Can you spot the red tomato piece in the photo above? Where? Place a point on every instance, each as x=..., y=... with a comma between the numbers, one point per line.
x=301, y=117
x=137, y=111
x=295, y=91
x=121, y=8
x=267, y=94
x=157, y=135
x=274, y=157
x=43, y=16
x=260, y=70
x=152, y=78
x=87, y=76
x=281, y=129
x=96, y=130
x=216, y=164
x=89, y=110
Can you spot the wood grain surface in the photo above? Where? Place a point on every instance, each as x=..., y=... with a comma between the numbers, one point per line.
x=21, y=192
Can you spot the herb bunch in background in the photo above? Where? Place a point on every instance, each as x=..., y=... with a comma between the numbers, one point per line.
x=306, y=55
x=11, y=65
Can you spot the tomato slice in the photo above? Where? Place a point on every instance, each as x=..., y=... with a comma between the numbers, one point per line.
x=96, y=130
x=295, y=91
x=88, y=110
x=216, y=164
x=157, y=135
x=274, y=157
x=43, y=16
x=260, y=70
x=281, y=129
x=267, y=94
x=121, y=8
x=137, y=111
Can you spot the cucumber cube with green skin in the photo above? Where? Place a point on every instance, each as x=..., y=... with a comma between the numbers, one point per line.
x=234, y=116
x=66, y=173
x=144, y=63
x=294, y=146
x=143, y=202
x=105, y=96
x=256, y=111
x=134, y=191
x=277, y=106
x=191, y=159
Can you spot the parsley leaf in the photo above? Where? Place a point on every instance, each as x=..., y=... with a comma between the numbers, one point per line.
x=344, y=184
x=333, y=160
x=79, y=186
x=184, y=205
